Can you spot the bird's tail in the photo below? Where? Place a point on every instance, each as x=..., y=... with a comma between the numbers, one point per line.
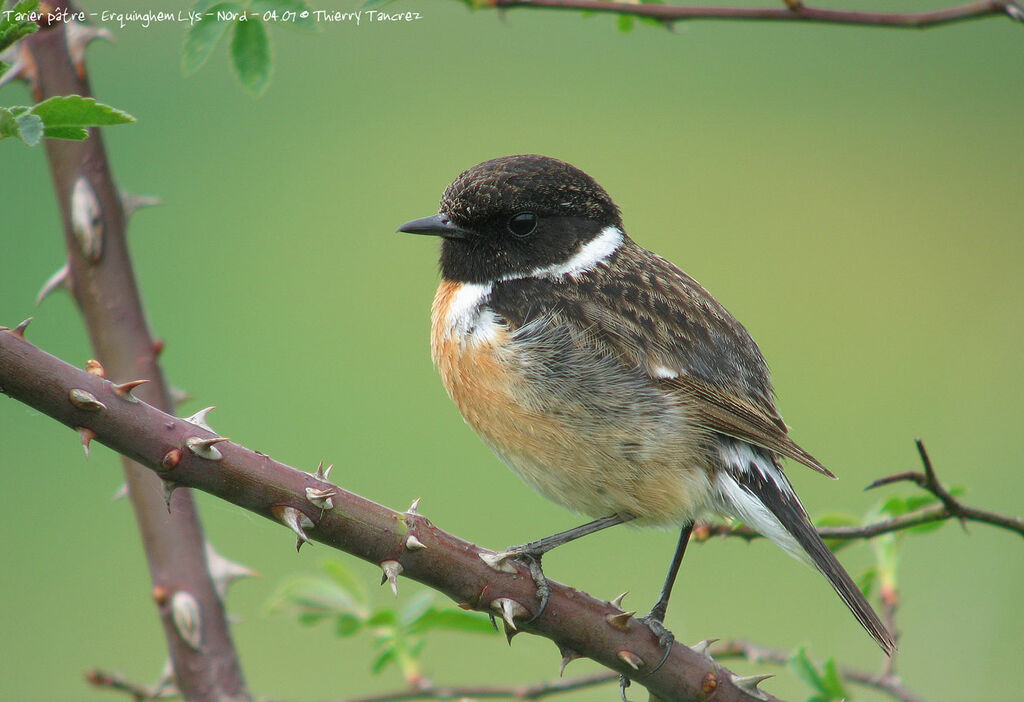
x=754, y=489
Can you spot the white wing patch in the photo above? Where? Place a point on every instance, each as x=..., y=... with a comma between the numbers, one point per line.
x=742, y=456
x=664, y=373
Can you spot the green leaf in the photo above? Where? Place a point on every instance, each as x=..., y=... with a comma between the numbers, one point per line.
x=250, y=53
x=867, y=579
x=203, y=36
x=805, y=670
x=832, y=681
x=346, y=580
x=417, y=607
x=453, y=620
x=78, y=111
x=20, y=124
x=383, y=617
x=386, y=656
x=304, y=594
x=11, y=29
x=311, y=618
x=347, y=625
x=70, y=133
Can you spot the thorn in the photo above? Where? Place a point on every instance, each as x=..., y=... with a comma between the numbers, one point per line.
x=160, y=595
x=497, y=561
x=204, y=448
x=166, y=685
x=61, y=278
x=617, y=602
x=322, y=473
x=199, y=418
x=568, y=656
x=509, y=609
x=224, y=572
x=494, y=622
x=321, y=498
x=749, y=683
x=120, y=493
x=132, y=203
x=94, y=367
x=87, y=436
x=169, y=487
x=295, y=520
x=171, y=459
x=78, y=36
x=392, y=569
x=620, y=621
x=704, y=648
x=414, y=544
x=414, y=507
x=85, y=400
x=631, y=659
x=186, y=618
x=23, y=65
x=125, y=389
x=87, y=220
x=178, y=396
x=19, y=331
x=158, y=347
x=624, y=683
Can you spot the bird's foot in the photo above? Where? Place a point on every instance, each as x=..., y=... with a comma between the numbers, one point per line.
x=529, y=557
x=654, y=622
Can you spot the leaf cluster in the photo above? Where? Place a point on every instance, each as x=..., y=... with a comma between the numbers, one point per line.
x=60, y=117
x=337, y=596
x=250, y=40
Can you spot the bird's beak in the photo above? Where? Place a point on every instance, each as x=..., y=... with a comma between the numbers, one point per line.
x=436, y=225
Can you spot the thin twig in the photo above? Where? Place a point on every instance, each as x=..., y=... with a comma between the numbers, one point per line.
x=949, y=508
x=529, y=691
x=755, y=653
x=118, y=683
x=795, y=11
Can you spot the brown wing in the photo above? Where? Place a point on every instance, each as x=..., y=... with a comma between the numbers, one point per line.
x=647, y=313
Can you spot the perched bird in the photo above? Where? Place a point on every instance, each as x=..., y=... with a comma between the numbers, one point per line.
x=609, y=380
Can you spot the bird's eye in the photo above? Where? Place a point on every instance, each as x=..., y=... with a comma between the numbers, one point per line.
x=523, y=224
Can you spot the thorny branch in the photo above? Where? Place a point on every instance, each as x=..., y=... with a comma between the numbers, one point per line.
x=794, y=11
x=889, y=684
x=948, y=508
x=735, y=649
x=98, y=272
x=187, y=453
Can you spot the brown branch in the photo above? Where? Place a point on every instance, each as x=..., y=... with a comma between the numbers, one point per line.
x=755, y=653
x=187, y=454
x=529, y=691
x=118, y=683
x=99, y=274
x=795, y=11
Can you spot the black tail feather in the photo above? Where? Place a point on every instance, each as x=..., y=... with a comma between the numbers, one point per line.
x=764, y=480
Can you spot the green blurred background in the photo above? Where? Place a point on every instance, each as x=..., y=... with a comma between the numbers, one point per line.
x=852, y=195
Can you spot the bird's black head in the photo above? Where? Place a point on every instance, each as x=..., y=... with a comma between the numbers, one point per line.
x=511, y=215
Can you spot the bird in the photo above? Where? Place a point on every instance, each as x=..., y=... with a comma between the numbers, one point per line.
x=604, y=376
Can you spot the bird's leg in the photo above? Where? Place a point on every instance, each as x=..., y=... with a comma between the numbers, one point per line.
x=531, y=553
x=656, y=618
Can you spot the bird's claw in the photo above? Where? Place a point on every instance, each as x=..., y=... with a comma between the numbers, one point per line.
x=531, y=559
x=665, y=637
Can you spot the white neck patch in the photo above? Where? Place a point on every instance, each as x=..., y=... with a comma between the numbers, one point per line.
x=594, y=252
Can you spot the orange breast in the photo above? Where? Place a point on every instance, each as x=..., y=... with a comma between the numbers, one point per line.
x=573, y=455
